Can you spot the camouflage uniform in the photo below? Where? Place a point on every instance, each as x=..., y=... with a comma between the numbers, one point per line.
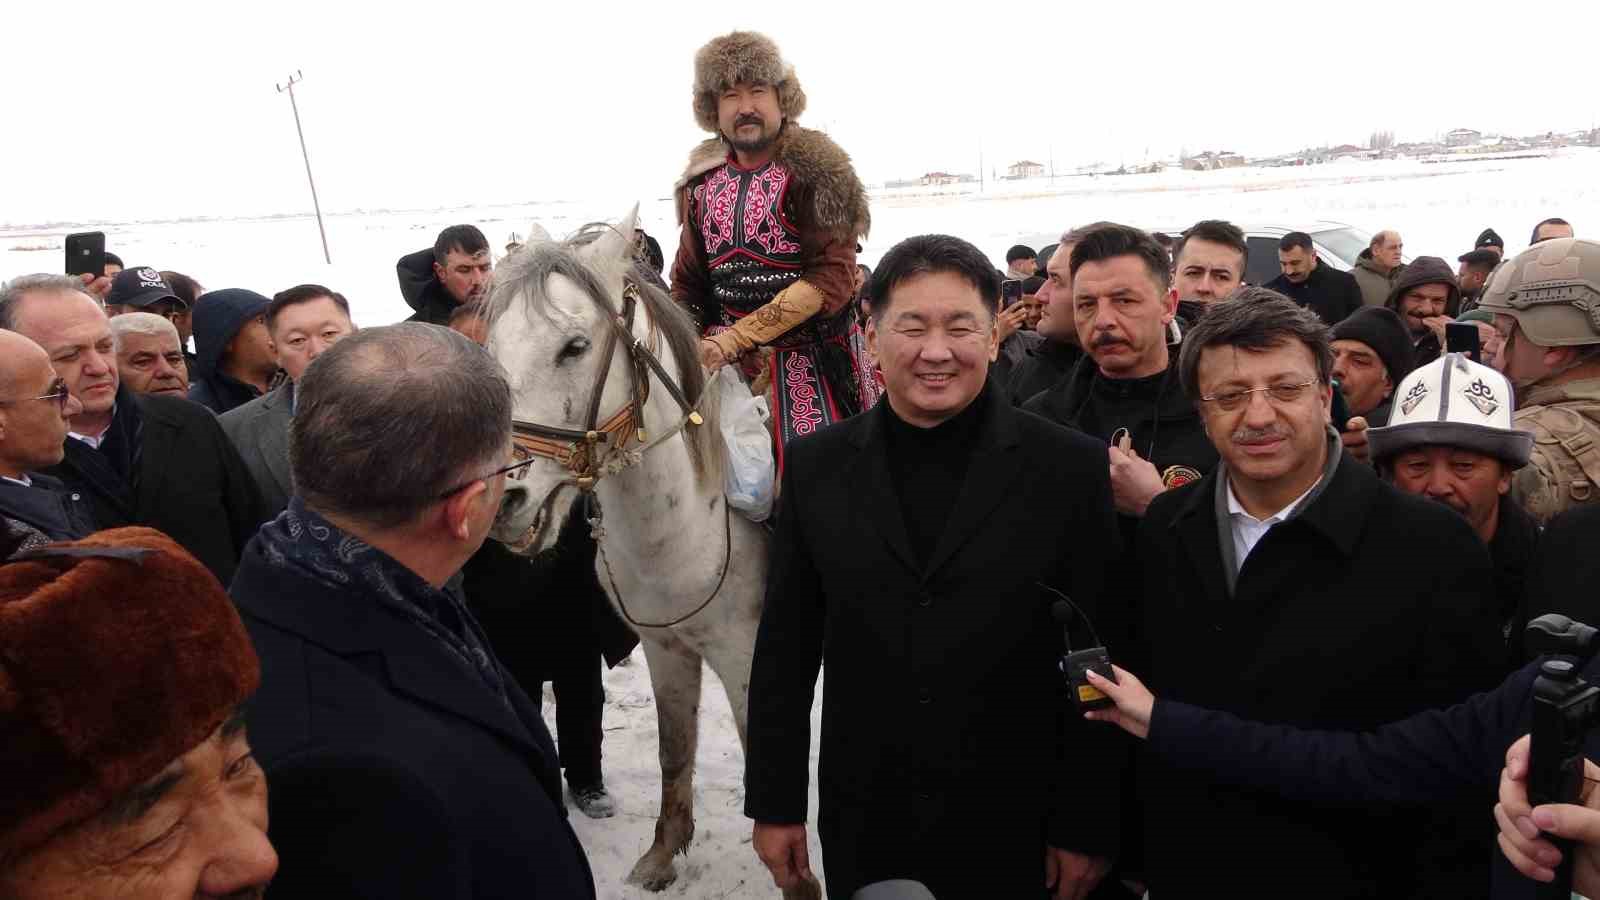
x=1552, y=290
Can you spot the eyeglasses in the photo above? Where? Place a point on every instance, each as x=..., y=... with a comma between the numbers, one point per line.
x=514, y=471
x=58, y=393
x=1229, y=401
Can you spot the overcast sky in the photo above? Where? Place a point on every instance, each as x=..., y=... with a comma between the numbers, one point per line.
x=140, y=110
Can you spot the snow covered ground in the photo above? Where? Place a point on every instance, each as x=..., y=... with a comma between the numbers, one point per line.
x=720, y=862
x=1439, y=209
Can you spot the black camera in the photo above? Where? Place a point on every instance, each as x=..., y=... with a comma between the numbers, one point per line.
x=1564, y=709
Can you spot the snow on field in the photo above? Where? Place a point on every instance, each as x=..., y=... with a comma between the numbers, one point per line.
x=1438, y=208
x=720, y=862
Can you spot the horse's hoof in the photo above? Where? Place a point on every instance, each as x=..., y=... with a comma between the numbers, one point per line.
x=652, y=876
x=809, y=889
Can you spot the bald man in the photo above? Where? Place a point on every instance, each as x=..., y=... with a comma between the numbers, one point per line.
x=1378, y=266
x=138, y=459
x=35, y=405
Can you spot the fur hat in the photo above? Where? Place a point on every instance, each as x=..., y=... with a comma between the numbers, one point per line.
x=119, y=653
x=742, y=57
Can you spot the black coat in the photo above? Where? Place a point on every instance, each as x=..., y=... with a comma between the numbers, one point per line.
x=1412, y=765
x=948, y=753
x=1046, y=363
x=1328, y=292
x=47, y=507
x=394, y=771
x=1167, y=431
x=1364, y=607
x=192, y=484
x=1565, y=569
x=422, y=290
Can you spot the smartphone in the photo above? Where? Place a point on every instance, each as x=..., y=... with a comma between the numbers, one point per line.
x=1010, y=293
x=1462, y=337
x=1341, y=409
x=86, y=253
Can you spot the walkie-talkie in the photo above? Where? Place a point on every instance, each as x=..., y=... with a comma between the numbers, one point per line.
x=1076, y=665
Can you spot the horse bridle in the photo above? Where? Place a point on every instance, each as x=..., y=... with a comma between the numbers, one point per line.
x=600, y=447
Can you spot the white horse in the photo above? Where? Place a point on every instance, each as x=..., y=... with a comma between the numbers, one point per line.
x=687, y=575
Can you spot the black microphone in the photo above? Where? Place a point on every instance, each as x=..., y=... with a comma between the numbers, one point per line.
x=1076, y=665
x=1062, y=610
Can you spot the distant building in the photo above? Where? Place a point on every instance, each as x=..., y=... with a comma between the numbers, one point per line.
x=1462, y=137
x=1211, y=161
x=1025, y=169
x=933, y=179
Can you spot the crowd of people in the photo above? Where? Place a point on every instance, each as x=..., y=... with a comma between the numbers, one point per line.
x=247, y=566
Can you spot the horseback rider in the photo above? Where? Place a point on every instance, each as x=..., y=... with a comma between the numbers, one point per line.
x=770, y=215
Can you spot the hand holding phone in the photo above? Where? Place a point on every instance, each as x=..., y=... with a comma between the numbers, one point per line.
x=86, y=253
x=1010, y=293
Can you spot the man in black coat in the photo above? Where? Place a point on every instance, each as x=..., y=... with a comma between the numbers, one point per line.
x=35, y=412
x=1331, y=294
x=453, y=273
x=403, y=760
x=139, y=459
x=1051, y=359
x=919, y=548
x=1292, y=585
x=1127, y=394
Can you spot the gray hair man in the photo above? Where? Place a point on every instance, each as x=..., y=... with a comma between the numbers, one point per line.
x=150, y=354
x=1377, y=266
x=352, y=600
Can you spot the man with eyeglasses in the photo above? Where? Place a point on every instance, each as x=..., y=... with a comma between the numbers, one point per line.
x=35, y=406
x=403, y=759
x=1292, y=585
x=138, y=459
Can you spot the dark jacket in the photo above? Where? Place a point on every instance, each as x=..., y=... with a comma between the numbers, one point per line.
x=1425, y=270
x=1365, y=606
x=1013, y=351
x=422, y=289
x=190, y=484
x=1512, y=551
x=946, y=736
x=1328, y=292
x=1165, y=428
x=394, y=770
x=217, y=319
x=1565, y=568
x=1046, y=363
x=1418, y=763
x=45, y=510
x=259, y=430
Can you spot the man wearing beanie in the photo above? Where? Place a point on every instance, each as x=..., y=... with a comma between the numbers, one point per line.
x=1451, y=439
x=770, y=214
x=405, y=761
x=1491, y=241
x=236, y=358
x=1426, y=296
x=123, y=667
x=1371, y=353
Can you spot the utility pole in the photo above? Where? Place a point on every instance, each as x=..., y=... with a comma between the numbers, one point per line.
x=295, y=79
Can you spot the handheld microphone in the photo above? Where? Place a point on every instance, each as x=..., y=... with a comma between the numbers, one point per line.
x=1075, y=666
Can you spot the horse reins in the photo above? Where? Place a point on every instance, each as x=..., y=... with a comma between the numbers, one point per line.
x=580, y=451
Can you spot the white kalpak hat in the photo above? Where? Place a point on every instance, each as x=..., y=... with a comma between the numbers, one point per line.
x=1458, y=403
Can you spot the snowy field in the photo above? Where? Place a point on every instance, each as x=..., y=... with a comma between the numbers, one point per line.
x=1438, y=208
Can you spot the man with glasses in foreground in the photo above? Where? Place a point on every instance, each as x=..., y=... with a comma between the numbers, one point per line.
x=403, y=759
x=35, y=405
x=1292, y=585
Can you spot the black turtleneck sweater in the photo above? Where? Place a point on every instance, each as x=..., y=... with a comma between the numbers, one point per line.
x=928, y=466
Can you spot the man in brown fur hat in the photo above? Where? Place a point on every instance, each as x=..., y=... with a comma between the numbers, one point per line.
x=771, y=213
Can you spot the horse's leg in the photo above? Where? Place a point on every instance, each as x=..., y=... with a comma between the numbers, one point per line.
x=675, y=678
x=730, y=656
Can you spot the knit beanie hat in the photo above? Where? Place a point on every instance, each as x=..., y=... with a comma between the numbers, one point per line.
x=1381, y=329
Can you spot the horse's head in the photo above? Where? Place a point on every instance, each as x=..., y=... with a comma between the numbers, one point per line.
x=550, y=320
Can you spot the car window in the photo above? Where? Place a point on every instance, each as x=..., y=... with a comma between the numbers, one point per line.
x=1345, y=243
x=1262, y=264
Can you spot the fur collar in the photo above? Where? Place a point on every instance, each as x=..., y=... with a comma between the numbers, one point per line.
x=839, y=201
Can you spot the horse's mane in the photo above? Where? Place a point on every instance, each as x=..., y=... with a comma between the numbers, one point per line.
x=529, y=268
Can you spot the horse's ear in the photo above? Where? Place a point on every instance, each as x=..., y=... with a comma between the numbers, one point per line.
x=614, y=244
x=538, y=235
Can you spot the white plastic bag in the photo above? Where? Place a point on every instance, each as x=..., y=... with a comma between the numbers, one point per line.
x=751, y=478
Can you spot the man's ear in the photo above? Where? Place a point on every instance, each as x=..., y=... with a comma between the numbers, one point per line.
x=1169, y=306
x=872, y=337
x=458, y=509
x=438, y=271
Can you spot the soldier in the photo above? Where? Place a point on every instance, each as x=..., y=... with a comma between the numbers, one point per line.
x=1546, y=306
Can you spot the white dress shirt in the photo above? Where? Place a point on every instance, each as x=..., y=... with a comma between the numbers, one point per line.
x=1248, y=530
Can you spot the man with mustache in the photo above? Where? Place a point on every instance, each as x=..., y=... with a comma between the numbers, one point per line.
x=150, y=354
x=1426, y=295
x=455, y=272
x=1127, y=393
x=1450, y=439
x=770, y=215
x=1288, y=585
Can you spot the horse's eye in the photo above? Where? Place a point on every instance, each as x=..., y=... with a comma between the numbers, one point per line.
x=575, y=348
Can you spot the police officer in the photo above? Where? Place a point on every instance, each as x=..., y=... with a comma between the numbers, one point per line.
x=1546, y=306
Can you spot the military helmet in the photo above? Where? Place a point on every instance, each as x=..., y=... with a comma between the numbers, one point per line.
x=1552, y=289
